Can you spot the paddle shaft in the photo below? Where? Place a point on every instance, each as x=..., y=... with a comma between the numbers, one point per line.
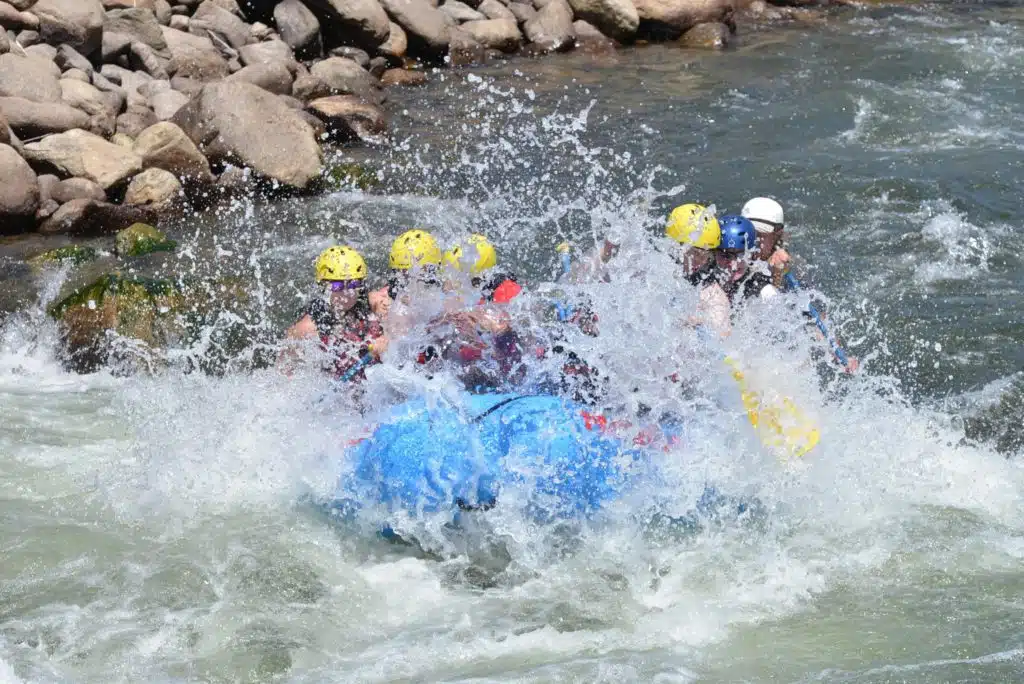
x=836, y=349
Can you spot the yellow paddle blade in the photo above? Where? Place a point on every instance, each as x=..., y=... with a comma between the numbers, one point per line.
x=782, y=427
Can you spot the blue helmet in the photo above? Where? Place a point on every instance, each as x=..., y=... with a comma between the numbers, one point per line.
x=737, y=233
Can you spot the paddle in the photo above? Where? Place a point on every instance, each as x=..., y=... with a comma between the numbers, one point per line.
x=783, y=428
x=363, y=361
x=836, y=349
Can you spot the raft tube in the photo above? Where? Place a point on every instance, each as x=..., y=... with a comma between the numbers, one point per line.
x=547, y=454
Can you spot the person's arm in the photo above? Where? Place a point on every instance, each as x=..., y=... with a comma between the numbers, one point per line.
x=303, y=330
x=713, y=309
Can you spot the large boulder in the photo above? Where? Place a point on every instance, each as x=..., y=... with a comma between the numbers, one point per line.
x=344, y=76
x=668, y=19
x=299, y=28
x=79, y=23
x=268, y=52
x=166, y=103
x=363, y=22
x=210, y=17
x=193, y=57
x=165, y=146
x=63, y=191
x=140, y=26
x=30, y=78
x=88, y=98
x=142, y=58
x=69, y=58
x=460, y=11
x=12, y=19
x=349, y=118
x=496, y=34
x=32, y=119
x=19, y=191
x=425, y=26
x=616, y=18
x=155, y=188
x=274, y=78
x=551, y=29
x=396, y=45
x=140, y=239
x=522, y=12
x=84, y=155
x=135, y=120
x=244, y=125
x=91, y=217
x=493, y=9
x=146, y=310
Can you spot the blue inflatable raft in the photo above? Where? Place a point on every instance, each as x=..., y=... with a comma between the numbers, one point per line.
x=429, y=456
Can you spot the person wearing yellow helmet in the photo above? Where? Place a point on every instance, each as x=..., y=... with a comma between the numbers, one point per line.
x=479, y=258
x=414, y=253
x=341, y=317
x=695, y=228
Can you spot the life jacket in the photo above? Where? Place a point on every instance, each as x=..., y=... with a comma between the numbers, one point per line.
x=347, y=337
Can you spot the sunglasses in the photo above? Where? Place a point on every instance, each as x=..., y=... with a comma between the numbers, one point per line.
x=343, y=285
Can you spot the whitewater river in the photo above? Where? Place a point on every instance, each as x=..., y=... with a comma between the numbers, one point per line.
x=152, y=527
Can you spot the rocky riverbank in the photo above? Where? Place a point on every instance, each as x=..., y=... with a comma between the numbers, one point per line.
x=118, y=111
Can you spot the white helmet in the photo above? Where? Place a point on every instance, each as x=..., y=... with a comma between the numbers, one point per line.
x=764, y=213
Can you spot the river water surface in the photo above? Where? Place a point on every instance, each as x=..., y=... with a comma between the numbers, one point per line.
x=151, y=525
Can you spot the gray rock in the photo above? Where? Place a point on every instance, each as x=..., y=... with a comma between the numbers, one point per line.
x=42, y=51
x=522, y=12
x=345, y=77
x=668, y=19
x=403, y=77
x=28, y=38
x=349, y=118
x=70, y=58
x=19, y=191
x=362, y=22
x=551, y=29
x=30, y=78
x=396, y=45
x=492, y=9
x=88, y=98
x=425, y=27
x=81, y=154
x=710, y=35
x=590, y=39
x=615, y=18
x=242, y=124
x=88, y=217
x=460, y=11
x=162, y=10
x=360, y=57
x=113, y=46
x=260, y=32
x=64, y=191
x=126, y=4
x=299, y=28
x=274, y=78
x=12, y=18
x=103, y=84
x=142, y=58
x=193, y=57
x=179, y=22
x=21, y=5
x=378, y=65
x=5, y=42
x=30, y=119
x=76, y=75
x=210, y=17
x=47, y=183
x=156, y=188
x=166, y=104
x=78, y=23
x=308, y=87
x=47, y=208
x=496, y=34
x=165, y=146
x=269, y=52
x=135, y=120
x=188, y=86
x=141, y=26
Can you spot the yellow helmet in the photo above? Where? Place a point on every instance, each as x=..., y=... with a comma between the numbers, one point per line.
x=693, y=224
x=340, y=263
x=414, y=248
x=486, y=255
